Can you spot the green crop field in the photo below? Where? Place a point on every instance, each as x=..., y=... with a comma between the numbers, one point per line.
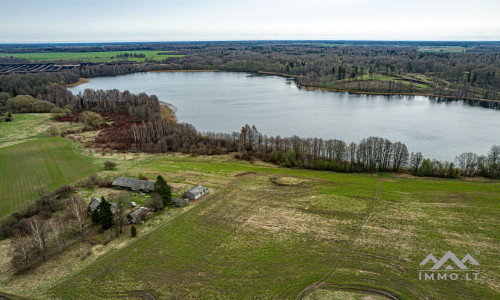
x=23, y=128
x=46, y=162
x=266, y=233
x=89, y=56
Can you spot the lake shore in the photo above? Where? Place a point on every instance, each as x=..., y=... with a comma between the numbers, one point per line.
x=80, y=81
x=163, y=71
x=315, y=88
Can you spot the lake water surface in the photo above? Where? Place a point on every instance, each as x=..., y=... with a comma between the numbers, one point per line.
x=224, y=102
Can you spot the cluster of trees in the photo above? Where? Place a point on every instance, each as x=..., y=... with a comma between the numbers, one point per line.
x=161, y=196
x=471, y=74
x=61, y=218
x=26, y=103
x=36, y=237
x=126, y=55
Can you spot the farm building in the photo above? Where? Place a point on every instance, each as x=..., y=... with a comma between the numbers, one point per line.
x=94, y=204
x=138, y=215
x=131, y=184
x=195, y=192
x=180, y=202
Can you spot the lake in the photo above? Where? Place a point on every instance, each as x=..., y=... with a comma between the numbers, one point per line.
x=224, y=102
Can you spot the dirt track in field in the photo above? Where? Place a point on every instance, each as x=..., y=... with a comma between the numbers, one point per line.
x=321, y=283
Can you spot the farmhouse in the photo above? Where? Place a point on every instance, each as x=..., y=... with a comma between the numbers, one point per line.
x=138, y=215
x=195, y=192
x=180, y=202
x=131, y=184
x=94, y=204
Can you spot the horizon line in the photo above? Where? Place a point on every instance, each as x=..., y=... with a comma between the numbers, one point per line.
x=244, y=40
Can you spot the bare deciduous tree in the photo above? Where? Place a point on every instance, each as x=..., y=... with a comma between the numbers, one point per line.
x=78, y=210
x=37, y=229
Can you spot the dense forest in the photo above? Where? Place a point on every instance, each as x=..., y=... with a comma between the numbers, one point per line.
x=463, y=70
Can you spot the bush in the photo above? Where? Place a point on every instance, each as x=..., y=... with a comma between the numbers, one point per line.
x=9, y=117
x=109, y=165
x=26, y=103
x=155, y=202
x=142, y=177
x=133, y=231
x=91, y=119
x=90, y=182
x=58, y=112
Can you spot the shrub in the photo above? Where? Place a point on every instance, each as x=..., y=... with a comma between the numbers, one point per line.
x=91, y=119
x=9, y=117
x=133, y=231
x=155, y=202
x=58, y=112
x=26, y=103
x=109, y=165
x=142, y=177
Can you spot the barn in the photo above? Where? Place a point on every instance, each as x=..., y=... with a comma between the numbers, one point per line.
x=135, y=185
x=195, y=192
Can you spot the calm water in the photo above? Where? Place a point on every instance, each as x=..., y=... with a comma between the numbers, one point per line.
x=224, y=102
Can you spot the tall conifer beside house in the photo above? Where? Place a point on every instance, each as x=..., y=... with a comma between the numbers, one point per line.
x=105, y=214
x=164, y=190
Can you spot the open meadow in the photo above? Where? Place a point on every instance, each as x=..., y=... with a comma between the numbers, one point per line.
x=268, y=232
x=262, y=232
x=24, y=167
x=94, y=57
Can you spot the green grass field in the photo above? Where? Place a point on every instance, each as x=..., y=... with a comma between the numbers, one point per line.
x=443, y=49
x=23, y=128
x=89, y=56
x=46, y=162
x=266, y=233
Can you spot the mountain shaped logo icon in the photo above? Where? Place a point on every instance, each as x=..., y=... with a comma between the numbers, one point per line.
x=449, y=256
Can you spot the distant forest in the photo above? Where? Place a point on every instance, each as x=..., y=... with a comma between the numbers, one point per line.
x=461, y=70
x=141, y=123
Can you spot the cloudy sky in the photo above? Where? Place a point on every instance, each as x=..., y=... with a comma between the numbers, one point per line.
x=181, y=20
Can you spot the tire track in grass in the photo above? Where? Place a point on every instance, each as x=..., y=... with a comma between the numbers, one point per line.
x=345, y=251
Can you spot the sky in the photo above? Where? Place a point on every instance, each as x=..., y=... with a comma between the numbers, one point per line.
x=39, y=21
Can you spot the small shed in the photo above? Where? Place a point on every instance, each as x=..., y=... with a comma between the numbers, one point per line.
x=195, y=192
x=94, y=204
x=135, y=185
x=138, y=215
x=180, y=202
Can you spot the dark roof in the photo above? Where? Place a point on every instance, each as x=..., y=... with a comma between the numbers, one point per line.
x=180, y=202
x=94, y=203
x=134, y=184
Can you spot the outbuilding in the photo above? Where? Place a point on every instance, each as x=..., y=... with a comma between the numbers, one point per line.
x=94, y=204
x=195, y=192
x=180, y=202
x=138, y=215
x=135, y=185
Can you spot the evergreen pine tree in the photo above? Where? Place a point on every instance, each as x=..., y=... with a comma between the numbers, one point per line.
x=95, y=217
x=105, y=214
x=162, y=188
